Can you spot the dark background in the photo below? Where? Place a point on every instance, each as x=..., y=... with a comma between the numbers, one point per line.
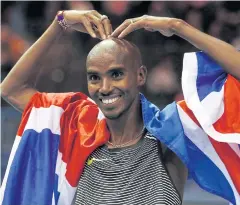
x=22, y=23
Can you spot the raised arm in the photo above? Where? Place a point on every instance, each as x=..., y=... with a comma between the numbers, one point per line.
x=225, y=54
x=17, y=88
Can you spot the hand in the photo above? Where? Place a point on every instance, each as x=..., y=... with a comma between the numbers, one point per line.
x=150, y=23
x=91, y=22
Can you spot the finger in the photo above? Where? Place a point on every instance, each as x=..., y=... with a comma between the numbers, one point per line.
x=124, y=25
x=120, y=28
x=106, y=23
x=99, y=25
x=88, y=27
x=98, y=35
x=79, y=27
x=95, y=13
x=132, y=27
x=107, y=26
x=149, y=29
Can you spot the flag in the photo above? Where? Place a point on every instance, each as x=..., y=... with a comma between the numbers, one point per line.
x=206, y=124
x=56, y=135
x=59, y=131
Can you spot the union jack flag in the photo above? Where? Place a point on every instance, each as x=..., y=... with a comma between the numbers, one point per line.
x=59, y=131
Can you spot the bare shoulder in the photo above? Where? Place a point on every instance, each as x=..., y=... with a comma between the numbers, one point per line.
x=176, y=169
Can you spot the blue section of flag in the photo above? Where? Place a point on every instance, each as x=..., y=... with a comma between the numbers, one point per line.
x=166, y=126
x=206, y=173
x=31, y=176
x=56, y=193
x=211, y=76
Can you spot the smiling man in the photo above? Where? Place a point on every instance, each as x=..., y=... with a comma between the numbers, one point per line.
x=111, y=151
x=115, y=73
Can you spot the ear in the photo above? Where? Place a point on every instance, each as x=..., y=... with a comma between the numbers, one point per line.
x=142, y=75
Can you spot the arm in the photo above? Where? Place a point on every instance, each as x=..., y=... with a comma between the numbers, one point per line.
x=177, y=171
x=225, y=54
x=175, y=168
x=17, y=88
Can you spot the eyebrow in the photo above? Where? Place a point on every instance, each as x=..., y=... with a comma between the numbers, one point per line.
x=92, y=72
x=113, y=69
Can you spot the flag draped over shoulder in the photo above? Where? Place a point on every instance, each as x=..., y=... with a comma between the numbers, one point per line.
x=56, y=135
x=204, y=130
x=59, y=131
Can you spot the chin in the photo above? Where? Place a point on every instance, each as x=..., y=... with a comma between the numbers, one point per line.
x=112, y=115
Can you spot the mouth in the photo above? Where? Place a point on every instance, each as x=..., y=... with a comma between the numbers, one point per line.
x=110, y=100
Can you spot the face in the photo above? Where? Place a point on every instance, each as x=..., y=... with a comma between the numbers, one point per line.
x=113, y=84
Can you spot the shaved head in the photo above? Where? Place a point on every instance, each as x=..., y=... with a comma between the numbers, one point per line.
x=115, y=74
x=121, y=49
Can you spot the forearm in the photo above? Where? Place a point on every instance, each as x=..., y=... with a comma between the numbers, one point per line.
x=225, y=54
x=24, y=73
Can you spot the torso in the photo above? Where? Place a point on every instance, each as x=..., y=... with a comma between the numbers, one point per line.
x=131, y=175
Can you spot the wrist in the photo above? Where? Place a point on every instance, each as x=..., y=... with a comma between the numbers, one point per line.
x=176, y=25
x=60, y=17
x=55, y=25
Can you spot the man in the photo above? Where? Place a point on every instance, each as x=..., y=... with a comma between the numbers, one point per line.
x=114, y=139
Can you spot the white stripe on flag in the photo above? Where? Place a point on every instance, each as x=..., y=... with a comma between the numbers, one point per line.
x=235, y=148
x=100, y=115
x=42, y=118
x=201, y=140
x=67, y=193
x=60, y=170
x=200, y=110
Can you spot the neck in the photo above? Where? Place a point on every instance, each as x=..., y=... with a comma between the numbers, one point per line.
x=127, y=127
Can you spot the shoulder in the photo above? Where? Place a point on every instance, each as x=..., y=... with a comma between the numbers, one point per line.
x=42, y=99
x=58, y=107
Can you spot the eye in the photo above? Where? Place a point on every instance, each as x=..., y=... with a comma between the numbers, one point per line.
x=117, y=74
x=93, y=77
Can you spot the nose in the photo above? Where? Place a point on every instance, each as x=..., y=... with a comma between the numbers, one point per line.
x=105, y=87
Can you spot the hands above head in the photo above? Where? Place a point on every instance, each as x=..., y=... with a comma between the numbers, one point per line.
x=150, y=23
x=91, y=22
x=99, y=26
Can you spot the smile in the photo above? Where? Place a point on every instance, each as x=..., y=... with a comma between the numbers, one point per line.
x=110, y=101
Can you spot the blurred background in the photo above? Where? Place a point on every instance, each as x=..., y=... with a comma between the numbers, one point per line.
x=63, y=66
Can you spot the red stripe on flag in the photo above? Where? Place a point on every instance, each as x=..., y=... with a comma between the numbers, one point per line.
x=229, y=122
x=224, y=151
x=45, y=100
x=230, y=159
x=81, y=133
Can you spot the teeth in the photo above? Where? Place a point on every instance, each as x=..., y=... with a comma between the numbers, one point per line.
x=109, y=101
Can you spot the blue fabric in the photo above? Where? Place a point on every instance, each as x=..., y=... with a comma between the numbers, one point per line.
x=166, y=126
x=211, y=76
x=56, y=193
x=35, y=151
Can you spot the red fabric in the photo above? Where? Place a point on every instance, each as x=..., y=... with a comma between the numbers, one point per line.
x=229, y=122
x=225, y=152
x=81, y=130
